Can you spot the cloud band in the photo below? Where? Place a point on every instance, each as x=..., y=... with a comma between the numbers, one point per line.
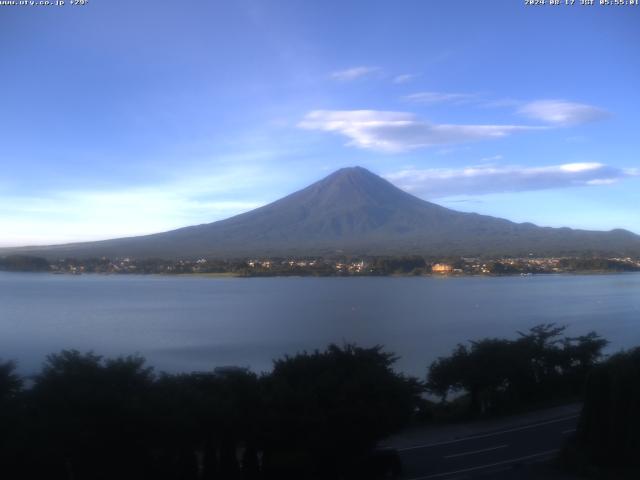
x=400, y=131
x=433, y=183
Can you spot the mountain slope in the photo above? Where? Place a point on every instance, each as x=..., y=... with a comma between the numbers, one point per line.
x=353, y=211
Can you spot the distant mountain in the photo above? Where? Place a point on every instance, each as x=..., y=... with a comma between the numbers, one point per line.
x=353, y=211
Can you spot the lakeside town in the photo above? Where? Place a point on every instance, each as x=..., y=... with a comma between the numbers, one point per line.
x=365, y=266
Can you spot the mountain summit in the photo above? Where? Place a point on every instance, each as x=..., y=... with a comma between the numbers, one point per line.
x=353, y=211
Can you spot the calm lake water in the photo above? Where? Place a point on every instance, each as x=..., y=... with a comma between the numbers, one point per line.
x=193, y=323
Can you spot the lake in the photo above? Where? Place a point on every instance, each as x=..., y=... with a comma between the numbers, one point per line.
x=196, y=323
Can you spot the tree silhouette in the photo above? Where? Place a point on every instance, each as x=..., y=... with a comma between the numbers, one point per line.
x=89, y=416
x=203, y=419
x=11, y=435
x=610, y=421
x=326, y=408
x=10, y=381
x=316, y=415
x=499, y=374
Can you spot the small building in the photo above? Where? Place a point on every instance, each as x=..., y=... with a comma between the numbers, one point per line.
x=441, y=268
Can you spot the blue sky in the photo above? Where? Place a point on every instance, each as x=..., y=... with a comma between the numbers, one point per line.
x=122, y=118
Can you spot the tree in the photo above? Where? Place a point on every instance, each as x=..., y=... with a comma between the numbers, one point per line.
x=11, y=435
x=582, y=353
x=610, y=420
x=89, y=416
x=208, y=414
x=10, y=381
x=327, y=408
x=446, y=373
x=484, y=370
x=500, y=373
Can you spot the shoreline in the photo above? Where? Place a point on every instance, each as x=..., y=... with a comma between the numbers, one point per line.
x=391, y=275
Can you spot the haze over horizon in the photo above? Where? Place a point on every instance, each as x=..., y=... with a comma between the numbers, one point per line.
x=124, y=119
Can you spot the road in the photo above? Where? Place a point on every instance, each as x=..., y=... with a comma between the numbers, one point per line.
x=490, y=451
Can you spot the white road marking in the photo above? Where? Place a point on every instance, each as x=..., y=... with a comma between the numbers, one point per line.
x=476, y=451
x=493, y=434
x=489, y=465
x=566, y=432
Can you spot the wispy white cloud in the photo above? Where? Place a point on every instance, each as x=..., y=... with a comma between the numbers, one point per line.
x=354, y=73
x=480, y=180
x=399, y=131
x=428, y=98
x=562, y=113
x=405, y=78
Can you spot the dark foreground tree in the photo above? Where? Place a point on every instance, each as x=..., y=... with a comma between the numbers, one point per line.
x=326, y=409
x=484, y=370
x=207, y=425
x=315, y=416
x=10, y=389
x=608, y=434
x=10, y=382
x=499, y=374
x=87, y=417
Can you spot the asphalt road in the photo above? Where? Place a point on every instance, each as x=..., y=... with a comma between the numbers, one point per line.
x=477, y=455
